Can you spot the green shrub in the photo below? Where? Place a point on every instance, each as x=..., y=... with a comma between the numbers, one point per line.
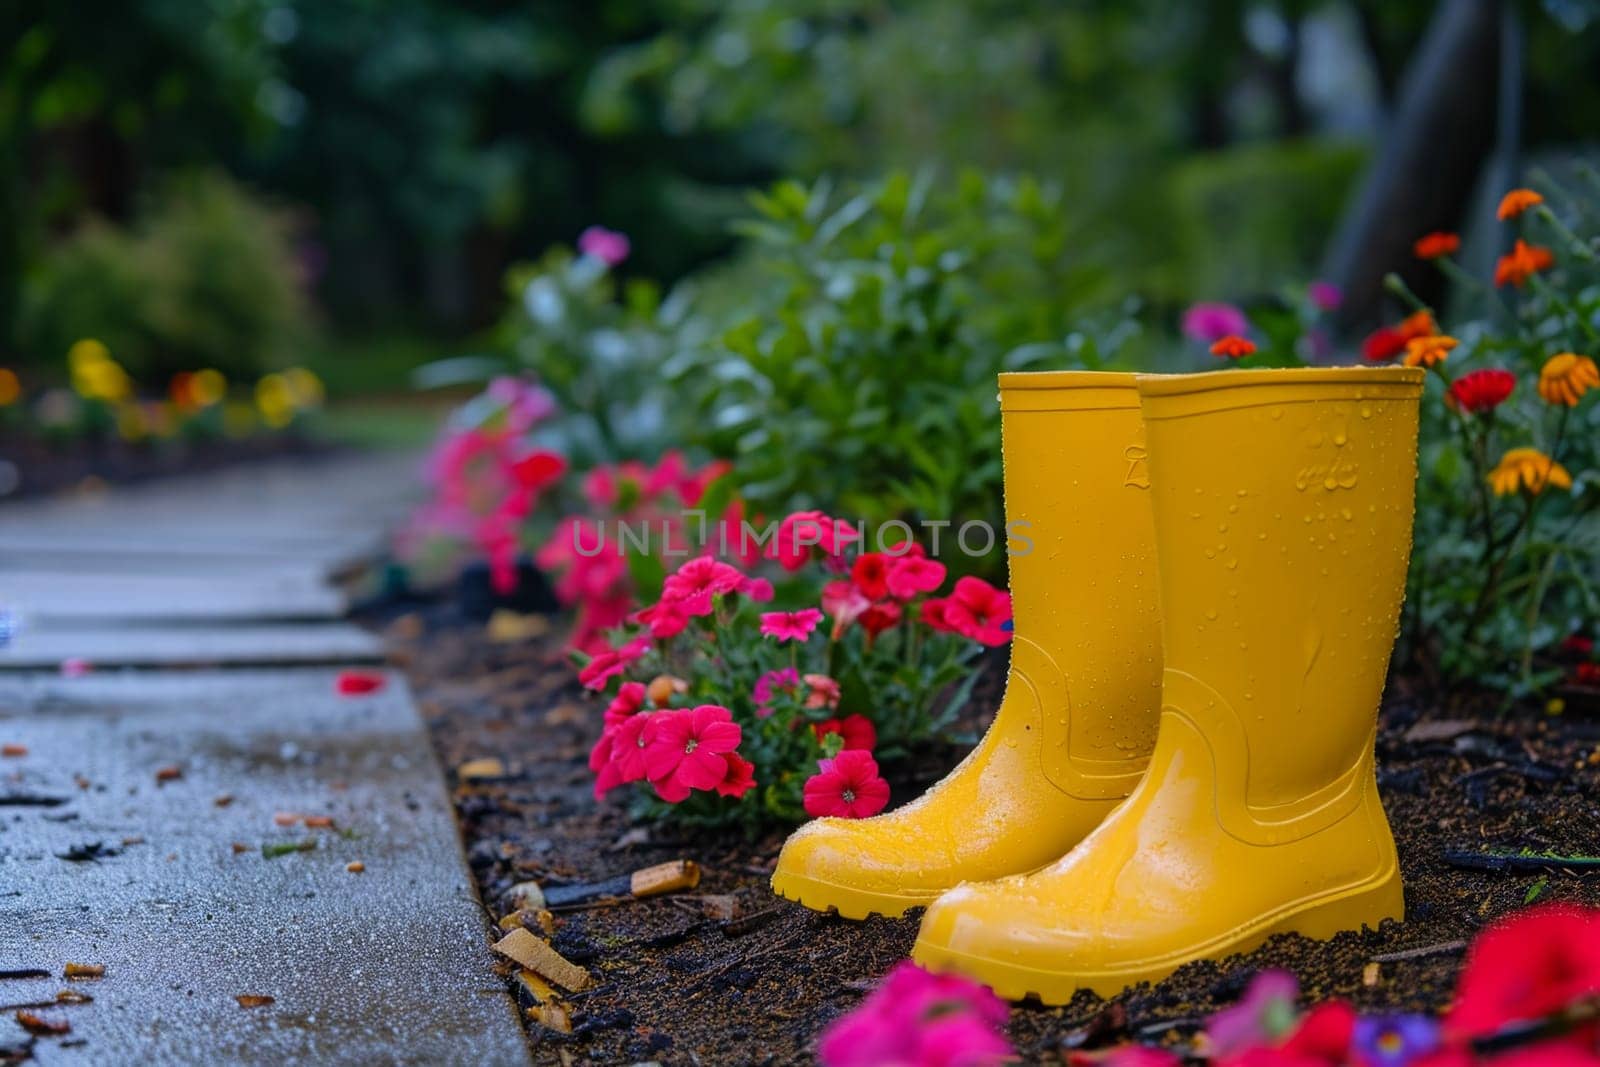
x=205, y=278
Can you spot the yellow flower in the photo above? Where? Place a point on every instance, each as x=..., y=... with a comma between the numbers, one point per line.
x=1566, y=377
x=206, y=387
x=305, y=387
x=1530, y=469
x=275, y=400
x=1428, y=351
x=10, y=387
x=87, y=352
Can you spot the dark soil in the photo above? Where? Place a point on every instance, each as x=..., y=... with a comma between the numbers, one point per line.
x=680, y=984
x=30, y=466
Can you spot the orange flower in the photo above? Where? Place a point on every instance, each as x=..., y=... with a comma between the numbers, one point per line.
x=1428, y=351
x=1566, y=376
x=1436, y=244
x=10, y=387
x=1521, y=263
x=1516, y=202
x=1530, y=469
x=1418, y=324
x=1233, y=347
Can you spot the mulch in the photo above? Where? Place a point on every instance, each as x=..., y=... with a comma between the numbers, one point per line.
x=38, y=467
x=678, y=981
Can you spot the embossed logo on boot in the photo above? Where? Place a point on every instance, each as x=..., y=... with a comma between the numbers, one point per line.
x=1138, y=476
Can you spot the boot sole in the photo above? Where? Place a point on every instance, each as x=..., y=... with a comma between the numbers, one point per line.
x=1362, y=907
x=843, y=901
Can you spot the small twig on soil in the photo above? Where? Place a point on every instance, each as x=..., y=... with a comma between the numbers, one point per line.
x=1421, y=951
x=1519, y=862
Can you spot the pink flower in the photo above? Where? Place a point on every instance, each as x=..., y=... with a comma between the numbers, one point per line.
x=786, y=680
x=911, y=575
x=626, y=704
x=619, y=756
x=612, y=662
x=857, y=731
x=1263, y=1016
x=700, y=579
x=1325, y=296
x=976, y=609
x=844, y=603
x=1209, y=322
x=1526, y=966
x=790, y=625
x=757, y=589
x=740, y=777
x=608, y=246
x=538, y=469
x=823, y=691
x=666, y=619
x=847, y=786
x=918, y=1019
x=687, y=747
x=802, y=531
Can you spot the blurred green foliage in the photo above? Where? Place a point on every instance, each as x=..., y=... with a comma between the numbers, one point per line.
x=206, y=278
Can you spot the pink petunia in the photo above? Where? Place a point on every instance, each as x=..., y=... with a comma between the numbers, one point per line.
x=612, y=662
x=913, y=575
x=687, y=747
x=822, y=691
x=790, y=625
x=915, y=1017
x=626, y=704
x=803, y=531
x=608, y=246
x=844, y=603
x=1211, y=322
x=700, y=579
x=666, y=619
x=769, y=685
x=847, y=786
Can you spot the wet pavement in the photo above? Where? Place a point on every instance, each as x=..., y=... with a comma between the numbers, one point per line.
x=154, y=822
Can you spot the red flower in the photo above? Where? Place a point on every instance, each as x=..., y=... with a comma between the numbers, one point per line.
x=1527, y=966
x=1586, y=674
x=871, y=575
x=350, y=683
x=857, y=731
x=1232, y=347
x=976, y=609
x=740, y=779
x=847, y=786
x=934, y=615
x=626, y=704
x=910, y=575
x=686, y=749
x=880, y=617
x=1321, y=1040
x=1436, y=245
x=538, y=469
x=612, y=662
x=1383, y=344
x=1482, y=390
x=1578, y=645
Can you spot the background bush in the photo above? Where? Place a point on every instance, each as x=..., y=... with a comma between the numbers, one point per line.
x=207, y=277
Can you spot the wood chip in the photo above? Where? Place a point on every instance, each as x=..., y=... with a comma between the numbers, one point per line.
x=722, y=907
x=85, y=970
x=169, y=774
x=285, y=818
x=537, y=956
x=240, y=846
x=13, y=751
x=319, y=822
x=251, y=1000
x=72, y=996
x=507, y=627
x=665, y=878
x=547, y=1009
x=224, y=800
x=1440, y=730
x=475, y=770
x=1370, y=974
x=39, y=1026
x=355, y=867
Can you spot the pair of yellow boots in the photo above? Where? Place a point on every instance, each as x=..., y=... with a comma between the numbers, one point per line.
x=1230, y=549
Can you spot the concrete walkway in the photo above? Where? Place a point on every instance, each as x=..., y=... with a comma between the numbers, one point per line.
x=140, y=807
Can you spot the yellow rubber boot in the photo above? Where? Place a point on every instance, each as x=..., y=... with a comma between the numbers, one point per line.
x=1078, y=719
x=1283, y=503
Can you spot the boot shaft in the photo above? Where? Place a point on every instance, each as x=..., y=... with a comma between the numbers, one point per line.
x=1283, y=508
x=1083, y=570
